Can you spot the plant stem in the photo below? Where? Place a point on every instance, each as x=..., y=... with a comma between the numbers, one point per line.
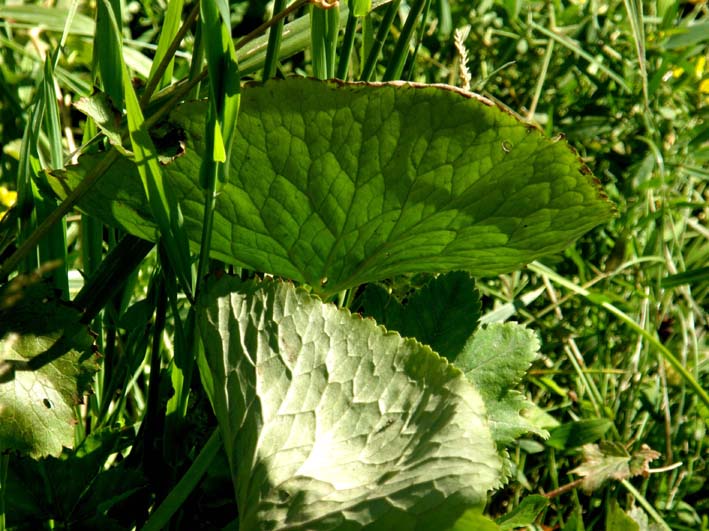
x=347, y=45
x=401, y=50
x=169, y=56
x=263, y=27
x=379, y=39
x=274, y=42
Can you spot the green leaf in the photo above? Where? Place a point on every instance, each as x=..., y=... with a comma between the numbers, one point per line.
x=577, y=433
x=338, y=184
x=99, y=107
x=473, y=520
x=443, y=314
x=37, y=404
x=617, y=520
x=495, y=360
x=360, y=8
x=329, y=420
x=525, y=513
x=610, y=460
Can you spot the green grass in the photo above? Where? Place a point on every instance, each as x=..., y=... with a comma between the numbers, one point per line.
x=621, y=314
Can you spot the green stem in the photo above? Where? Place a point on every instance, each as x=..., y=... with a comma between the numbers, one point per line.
x=419, y=39
x=347, y=45
x=331, y=35
x=379, y=39
x=274, y=42
x=177, y=496
x=56, y=215
x=318, y=35
x=646, y=505
x=401, y=50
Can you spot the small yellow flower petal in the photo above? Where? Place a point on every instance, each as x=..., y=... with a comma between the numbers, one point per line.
x=7, y=197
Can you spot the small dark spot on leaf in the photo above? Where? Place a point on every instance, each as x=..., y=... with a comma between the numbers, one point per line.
x=47, y=403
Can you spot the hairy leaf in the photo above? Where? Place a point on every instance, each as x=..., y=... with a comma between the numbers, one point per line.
x=338, y=184
x=495, y=360
x=37, y=404
x=331, y=422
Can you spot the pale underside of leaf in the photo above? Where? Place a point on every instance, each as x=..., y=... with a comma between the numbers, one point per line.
x=338, y=184
x=330, y=422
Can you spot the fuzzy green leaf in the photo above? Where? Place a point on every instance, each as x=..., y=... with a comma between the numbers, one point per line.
x=443, y=314
x=37, y=404
x=495, y=360
x=330, y=421
x=338, y=184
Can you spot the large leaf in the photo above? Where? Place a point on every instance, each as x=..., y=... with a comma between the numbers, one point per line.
x=337, y=184
x=495, y=359
x=330, y=422
x=37, y=404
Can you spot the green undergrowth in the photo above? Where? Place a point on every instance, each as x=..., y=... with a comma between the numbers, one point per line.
x=234, y=295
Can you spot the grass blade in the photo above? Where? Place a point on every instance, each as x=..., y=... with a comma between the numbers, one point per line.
x=401, y=51
x=170, y=26
x=382, y=32
x=664, y=351
x=274, y=42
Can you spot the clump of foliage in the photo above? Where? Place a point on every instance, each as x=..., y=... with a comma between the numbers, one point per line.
x=232, y=300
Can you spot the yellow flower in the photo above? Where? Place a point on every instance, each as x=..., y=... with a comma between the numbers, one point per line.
x=7, y=199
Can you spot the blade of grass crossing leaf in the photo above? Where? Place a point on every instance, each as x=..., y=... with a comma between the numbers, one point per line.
x=53, y=247
x=395, y=67
x=170, y=26
x=274, y=42
x=107, y=48
x=654, y=341
x=161, y=199
x=378, y=44
x=225, y=91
